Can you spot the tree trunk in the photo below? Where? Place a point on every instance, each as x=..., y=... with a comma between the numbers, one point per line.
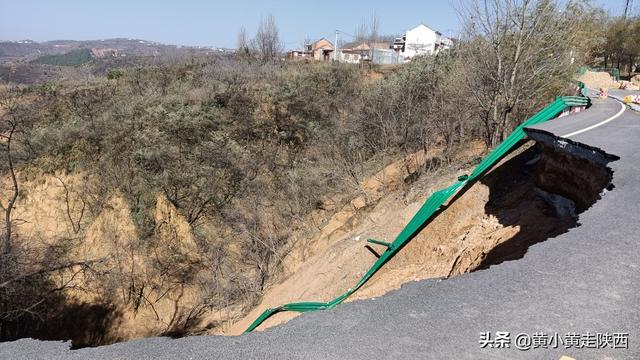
x=14, y=196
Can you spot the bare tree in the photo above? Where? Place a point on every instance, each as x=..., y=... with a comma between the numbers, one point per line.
x=243, y=43
x=10, y=129
x=374, y=28
x=75, y=223
x=267, y=42
x=14, y=189
x=369, y=29
x=362, y=30
x=517, y=50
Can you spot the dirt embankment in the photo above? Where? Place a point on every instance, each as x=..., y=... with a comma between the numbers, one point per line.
x=124, y=294
x=597, y=80
x=604, y=80
x=129, y=291
x=494, y=220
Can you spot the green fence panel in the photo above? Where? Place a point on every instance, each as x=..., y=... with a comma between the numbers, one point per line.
x=430, y=208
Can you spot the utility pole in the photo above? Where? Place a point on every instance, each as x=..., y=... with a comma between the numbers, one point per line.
x=627, y=8
x=335, y=48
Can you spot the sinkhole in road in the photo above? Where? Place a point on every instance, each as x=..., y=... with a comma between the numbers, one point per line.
x=553, y=182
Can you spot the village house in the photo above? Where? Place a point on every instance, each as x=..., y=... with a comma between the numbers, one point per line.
x=321, y=50
x=421, y=40
x=299, y=55
x=355, y=52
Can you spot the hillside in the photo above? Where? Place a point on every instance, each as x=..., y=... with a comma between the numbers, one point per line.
x=27, y=50
x=32, y=63
x=71, y=58
x=220, y=173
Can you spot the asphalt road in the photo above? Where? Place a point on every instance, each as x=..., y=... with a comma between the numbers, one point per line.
x=585, y=281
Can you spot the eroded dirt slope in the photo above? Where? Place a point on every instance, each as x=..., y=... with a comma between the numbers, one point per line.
x=494, y=220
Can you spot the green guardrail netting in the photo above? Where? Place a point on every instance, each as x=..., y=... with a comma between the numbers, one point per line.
x=431, y=207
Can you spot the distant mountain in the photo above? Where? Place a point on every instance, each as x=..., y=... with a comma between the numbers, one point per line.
x=27, y=50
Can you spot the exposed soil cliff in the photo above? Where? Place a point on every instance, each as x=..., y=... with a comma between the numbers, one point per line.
x=533, y=195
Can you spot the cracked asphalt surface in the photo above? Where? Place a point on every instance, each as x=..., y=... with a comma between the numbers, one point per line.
x=585, y=280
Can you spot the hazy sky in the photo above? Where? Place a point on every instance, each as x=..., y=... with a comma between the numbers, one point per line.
x=216, y=23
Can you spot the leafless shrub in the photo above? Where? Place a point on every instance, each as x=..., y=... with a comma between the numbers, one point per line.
x=517, y=51
x=266, y=43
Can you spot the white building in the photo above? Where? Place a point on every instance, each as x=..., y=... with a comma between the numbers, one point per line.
x=421, y=40
x=358, y=51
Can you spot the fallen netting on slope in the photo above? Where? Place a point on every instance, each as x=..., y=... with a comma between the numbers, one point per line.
x=431, y=207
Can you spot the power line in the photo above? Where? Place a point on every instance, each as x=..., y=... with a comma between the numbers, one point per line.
x=346, y=33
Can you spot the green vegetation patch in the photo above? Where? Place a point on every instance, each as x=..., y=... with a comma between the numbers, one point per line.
x=72, y=58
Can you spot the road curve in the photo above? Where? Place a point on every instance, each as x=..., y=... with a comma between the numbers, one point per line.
x=585, y=280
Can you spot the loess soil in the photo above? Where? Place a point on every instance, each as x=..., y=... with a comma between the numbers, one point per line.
x=520, y=202
x=514, y=206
